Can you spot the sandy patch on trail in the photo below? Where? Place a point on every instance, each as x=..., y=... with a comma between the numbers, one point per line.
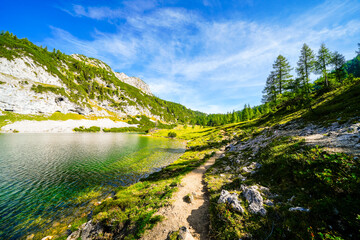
x=67, y=126
x=194, y=216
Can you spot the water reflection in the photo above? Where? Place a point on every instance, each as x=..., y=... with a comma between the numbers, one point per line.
x=41, y=174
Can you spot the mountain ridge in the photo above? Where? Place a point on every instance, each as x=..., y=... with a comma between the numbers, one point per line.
x=36, y=81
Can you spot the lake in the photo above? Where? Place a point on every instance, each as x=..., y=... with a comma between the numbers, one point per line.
x=43, y=176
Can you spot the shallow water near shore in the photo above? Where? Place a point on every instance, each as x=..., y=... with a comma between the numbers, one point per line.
x=44, y=177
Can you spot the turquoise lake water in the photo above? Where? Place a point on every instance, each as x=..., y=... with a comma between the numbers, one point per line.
x=42, y=175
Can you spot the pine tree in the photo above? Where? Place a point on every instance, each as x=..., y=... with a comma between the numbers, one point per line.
x=358, y=51
x=270, y=91
x=266, y=108
x=257, y=113
x=323, y=59
x=282, y=72
x=338, y=61
x=246, y=114
x=305, y=66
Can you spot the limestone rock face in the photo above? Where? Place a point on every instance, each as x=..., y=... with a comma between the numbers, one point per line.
x=232, y=199
x=134, y=81
x=26, y=69
x=20, y=75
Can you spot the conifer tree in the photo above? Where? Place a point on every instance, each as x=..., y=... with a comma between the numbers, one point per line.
x=338, y=61
x=358, y=51
x=246, y=113
x=323, y=60
x=270, y=91
x=305, y=66
x=282, y=73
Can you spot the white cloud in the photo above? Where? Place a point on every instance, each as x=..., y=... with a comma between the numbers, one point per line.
x=95, y=12
x=209, y=65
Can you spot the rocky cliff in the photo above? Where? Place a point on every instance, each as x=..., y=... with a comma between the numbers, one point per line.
x=17, y=92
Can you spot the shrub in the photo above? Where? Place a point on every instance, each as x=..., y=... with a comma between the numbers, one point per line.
x=172, y=134
x=90, y=129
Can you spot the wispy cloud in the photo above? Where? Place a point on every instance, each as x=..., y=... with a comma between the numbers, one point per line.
x=208, y=65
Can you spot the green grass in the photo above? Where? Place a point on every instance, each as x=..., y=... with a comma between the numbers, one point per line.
x=131, y=211
x=124, y=129
x=324, y=182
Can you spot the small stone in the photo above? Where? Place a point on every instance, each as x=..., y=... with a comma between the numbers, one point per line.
x=300, y=209
x=184, y=234
x=268, y=202
x=291, y=199
x=227, y=168
x=32, y=235
x=242, y=178
x=74, y=235
x=189, y=198
x=47, y=238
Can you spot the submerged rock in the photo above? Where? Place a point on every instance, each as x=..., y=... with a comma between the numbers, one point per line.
x=232, y=199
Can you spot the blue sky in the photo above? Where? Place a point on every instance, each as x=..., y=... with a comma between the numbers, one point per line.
x=209, y=55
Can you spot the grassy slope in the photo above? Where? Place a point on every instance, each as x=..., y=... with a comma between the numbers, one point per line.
x=130, y=212
x=319, y=180
x=326, y=183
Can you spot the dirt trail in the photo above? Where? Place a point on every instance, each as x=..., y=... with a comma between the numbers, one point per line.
x=195, y=215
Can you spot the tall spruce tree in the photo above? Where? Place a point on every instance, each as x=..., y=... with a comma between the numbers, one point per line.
x=305, y=66
x=282, y=73
x=246, y=113
x=323, y=60
x=358, y=51
x=270, y=90
x=338, y=61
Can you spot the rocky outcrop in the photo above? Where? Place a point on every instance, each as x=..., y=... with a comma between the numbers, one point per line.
x=87, y=231
x=232, y=199
x=134, y=81
x=254, y=199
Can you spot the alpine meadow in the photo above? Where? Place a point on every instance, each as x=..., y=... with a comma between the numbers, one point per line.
x=168, y=120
